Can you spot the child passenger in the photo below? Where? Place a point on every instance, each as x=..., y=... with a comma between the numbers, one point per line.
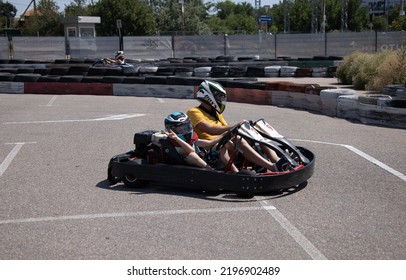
x=179, y=130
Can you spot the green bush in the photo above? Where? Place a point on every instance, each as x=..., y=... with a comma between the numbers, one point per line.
x=385, y=72
x=360, y=71
x=343, y=69
x=373, y=71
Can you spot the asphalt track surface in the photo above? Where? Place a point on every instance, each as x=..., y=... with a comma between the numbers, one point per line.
x=55, y=202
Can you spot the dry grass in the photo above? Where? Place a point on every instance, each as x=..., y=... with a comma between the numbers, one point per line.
x=373, y=71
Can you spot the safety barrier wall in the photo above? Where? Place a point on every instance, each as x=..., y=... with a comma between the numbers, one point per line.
x=163, y=47
x=333, y=102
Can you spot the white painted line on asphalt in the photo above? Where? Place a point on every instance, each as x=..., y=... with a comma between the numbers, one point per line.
x=9, y=158
x=51, y=102
x=107, y=118
x=364, y=155
x=300, y=239
x=376, y=162
x=160, y=100
x=132, y=214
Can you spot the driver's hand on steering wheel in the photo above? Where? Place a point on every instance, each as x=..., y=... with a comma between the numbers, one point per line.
x=241, y=122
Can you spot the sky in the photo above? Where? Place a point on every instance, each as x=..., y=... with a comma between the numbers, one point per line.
x=21, y=5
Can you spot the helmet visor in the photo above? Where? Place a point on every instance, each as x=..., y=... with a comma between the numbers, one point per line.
x=219, y=96
x=184, y=128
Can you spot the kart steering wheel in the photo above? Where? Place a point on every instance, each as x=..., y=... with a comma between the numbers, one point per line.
x=227, y=136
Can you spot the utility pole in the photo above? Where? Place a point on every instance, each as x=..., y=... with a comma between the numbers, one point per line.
x=323, y=19
x=344, y=15
x=314, y=23
x=257, y=7
x=286, y=17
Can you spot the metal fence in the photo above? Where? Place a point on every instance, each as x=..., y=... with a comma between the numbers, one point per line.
x=263, y=46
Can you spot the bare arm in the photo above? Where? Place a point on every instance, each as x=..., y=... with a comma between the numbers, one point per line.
x=209, y=143
x=212, y=129
x=185, y=147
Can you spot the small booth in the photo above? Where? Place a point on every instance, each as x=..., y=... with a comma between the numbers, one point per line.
x=80, y=26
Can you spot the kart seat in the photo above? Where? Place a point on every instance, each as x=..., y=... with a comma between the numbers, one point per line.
x=170, y=154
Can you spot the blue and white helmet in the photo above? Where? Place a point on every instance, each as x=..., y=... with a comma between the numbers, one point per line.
x=213, y=94
x=180, y=124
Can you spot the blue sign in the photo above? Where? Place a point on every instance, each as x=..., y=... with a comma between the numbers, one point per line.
x=265, y=19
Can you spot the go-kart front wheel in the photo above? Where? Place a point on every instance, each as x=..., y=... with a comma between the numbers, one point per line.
x=133, y=182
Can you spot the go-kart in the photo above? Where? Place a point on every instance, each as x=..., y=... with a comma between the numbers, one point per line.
x=155, y=159
x=127, y=68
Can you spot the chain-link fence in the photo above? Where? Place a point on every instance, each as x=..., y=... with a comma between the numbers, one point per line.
x=263, y=46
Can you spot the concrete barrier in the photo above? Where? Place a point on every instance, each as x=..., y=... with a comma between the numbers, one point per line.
x=341, y=103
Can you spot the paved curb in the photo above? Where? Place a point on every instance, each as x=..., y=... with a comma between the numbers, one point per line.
x=333, y=102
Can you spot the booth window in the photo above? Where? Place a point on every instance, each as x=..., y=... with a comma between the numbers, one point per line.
x=71, y=32
x=86, y=32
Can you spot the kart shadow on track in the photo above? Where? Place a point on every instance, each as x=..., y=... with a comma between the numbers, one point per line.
x=196, y=193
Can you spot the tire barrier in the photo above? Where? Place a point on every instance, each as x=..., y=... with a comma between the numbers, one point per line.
x=26, y=77
x=9, y=70
x=180, y=81
x=165, y=71
x=230, y=67
x=202, y=71
x=304, y=72
x=219, y=71
x=288, y=71
x=272, y=71
x=319, y=72
x=49, y=78
x=68, y=88
x=184, y=72
x=398, y=102
x=71, y=78
x=334, y=102
x=375, y=99
x=237, y=71
x=6, y=77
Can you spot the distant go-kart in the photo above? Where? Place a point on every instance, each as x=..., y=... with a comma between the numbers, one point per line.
x=127, y=68
x=154, y=159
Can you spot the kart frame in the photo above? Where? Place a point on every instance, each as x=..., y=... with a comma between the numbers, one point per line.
x=136, y=169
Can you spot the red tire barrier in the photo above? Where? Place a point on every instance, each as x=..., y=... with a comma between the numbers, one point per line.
x=249, y=96
x=68, y=88
x=282, y=85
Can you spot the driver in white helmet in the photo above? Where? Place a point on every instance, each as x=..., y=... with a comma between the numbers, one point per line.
x=208, y=122
x=119, y=58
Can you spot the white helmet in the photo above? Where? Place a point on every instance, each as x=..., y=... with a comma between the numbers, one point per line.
x=213, y=94
x=119, y=54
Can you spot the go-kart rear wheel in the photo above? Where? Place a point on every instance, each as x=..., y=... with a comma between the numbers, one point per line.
x=111, y=178
x=133, y=182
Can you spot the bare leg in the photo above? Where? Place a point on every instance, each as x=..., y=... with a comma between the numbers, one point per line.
x=251, y=155
x=225, y=158
x=271, y=154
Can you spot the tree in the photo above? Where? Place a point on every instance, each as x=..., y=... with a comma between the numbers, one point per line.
x=300, y=16
x=136, y=16
x=77, y=8
x=7, y=12
x=46, y=21
x=357, y=16
x=231, y=17
x=399, y=23
x=170, y=17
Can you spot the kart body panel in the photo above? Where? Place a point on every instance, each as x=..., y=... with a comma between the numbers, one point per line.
x=137, y=164
x=199, y=178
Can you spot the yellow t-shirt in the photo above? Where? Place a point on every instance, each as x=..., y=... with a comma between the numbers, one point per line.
x=196, y=115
